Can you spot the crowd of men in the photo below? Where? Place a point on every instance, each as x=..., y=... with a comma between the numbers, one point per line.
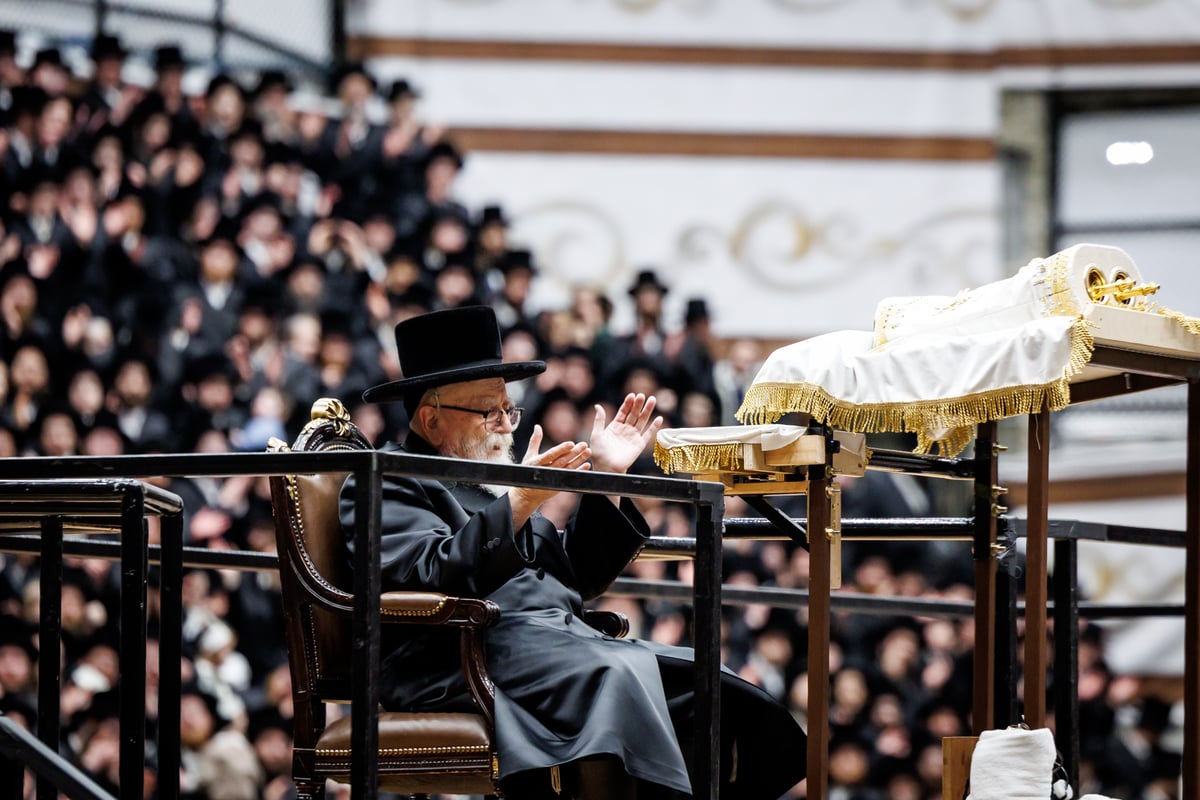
x=186, y=269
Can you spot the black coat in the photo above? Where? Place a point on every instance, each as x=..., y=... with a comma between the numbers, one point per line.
x=564, y=691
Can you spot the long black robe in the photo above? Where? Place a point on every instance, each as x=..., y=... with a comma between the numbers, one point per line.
x=564, y=691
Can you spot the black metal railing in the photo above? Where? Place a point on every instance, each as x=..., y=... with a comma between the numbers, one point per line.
x=93, y=514
x=21, y=750
x=223, y=30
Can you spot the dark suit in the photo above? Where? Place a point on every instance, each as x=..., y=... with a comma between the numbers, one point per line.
x=563, y=690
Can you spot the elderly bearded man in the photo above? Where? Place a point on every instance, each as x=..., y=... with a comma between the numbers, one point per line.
x=612, y=714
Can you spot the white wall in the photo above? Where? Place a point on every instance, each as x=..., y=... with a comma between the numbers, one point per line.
x=301, y=26
x=780, y=247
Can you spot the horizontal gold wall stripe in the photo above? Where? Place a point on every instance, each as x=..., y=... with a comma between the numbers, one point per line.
x=1105, y=489
x=1106, y=56
x=755, y=145
x=378, y=46
x=363, y=47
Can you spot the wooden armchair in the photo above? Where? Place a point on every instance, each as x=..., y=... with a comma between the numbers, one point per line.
x=449, y=753
x=419, y=753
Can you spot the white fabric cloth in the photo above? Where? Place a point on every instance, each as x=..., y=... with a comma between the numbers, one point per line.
x=937, y=366
x=915, y=368
x=1012, y=764
x=721, y=447
x=770, y=437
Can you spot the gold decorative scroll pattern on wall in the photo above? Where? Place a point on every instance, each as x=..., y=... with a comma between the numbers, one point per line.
x=774, y=242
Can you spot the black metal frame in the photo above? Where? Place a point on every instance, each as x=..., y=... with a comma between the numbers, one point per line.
x=994, y=608
x=369, y=467
x=221, y=29
x=1133, y=371
x=20, y=749
x=55, y=507
x=708, y=497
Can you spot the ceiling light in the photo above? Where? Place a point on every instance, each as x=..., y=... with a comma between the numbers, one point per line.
x=1123, y=153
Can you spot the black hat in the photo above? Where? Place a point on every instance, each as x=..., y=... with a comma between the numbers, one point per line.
x=449, y=346
x=169, y=56
x=219, y=80
x=250, y=128
x=107, y=46
x=647, y=278
x=336, y=322
x=697, y=309
x=224, y=235
x=449, y=211
x=270, y=79
x=261, y=297
x=265, y=718
x=492, y=214
x=401, y=88
x=346, y=70
x=443, y=148
x=48, y=55
x=28, y=99
x=281, y=153
x=16, y=631
x=517, y=259
x=211, y=365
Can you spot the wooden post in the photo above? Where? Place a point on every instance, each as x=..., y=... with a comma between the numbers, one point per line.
x=956, y=765
x=818, y=631
x=1036, y=538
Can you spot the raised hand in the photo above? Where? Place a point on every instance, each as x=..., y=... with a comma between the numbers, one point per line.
x=567, y=455
x=617, y=444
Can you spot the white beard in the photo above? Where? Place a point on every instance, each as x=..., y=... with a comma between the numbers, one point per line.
x=483, y=449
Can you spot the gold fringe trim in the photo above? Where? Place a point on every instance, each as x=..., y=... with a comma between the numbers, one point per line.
x=1189, y=324
x=693, y=458
x=947, y=423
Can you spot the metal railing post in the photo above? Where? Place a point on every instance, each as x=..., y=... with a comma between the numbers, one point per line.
x=49, y=639
x=706, y=741
x=132, y=655
x=170, y=640
x=364, y=709
x=1066, y=654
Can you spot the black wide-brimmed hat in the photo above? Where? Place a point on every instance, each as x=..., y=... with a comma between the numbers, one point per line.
x=168, y=56
x=450, y=346
x=108, y=46
x=648, y=279
x=401, y=88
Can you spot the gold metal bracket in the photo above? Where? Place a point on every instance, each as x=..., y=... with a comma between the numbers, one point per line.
x=834, y=533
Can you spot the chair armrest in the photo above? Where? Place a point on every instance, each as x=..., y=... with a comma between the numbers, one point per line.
x=613, y=623
x=468, y=614
x=431, y=608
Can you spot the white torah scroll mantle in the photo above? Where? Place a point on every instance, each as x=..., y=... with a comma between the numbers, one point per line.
x=1013, y=764
x=937, y=366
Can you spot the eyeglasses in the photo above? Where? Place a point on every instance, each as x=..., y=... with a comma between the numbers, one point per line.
x=492, y=417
